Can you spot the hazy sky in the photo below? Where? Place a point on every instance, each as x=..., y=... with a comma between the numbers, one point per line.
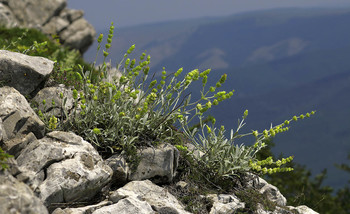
x=133, y=12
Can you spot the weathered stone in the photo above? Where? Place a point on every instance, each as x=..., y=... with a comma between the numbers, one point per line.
x=17, y=116
x=33, y=13
x=3, y=135
x=126, y=206
x=16, y=197
x=158, y=197
x=25, y=73
x=55, y=25
x=71, y=15
x=79, y=35
x=53, y=93
x=7, y=18
x=62, y=167
x=270, y=191
x=82, y=210
x=120, y=169
x=225, y=204
x=157, y=164
x=16, y=145
x=302, y=210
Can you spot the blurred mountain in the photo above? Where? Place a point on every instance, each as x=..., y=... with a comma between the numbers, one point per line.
x=281, y=63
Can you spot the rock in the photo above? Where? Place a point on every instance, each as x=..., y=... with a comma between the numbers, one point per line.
x=82, y=210
x=7, y=18
x=24, y=73
x=157, y=164
x=17, y=116
x=62, y=167
x=302, y=210
x=52, y=18
x=53, y=93
x=126, y=206
x=159, y=198
x=120, y=169
x=225, y=204
x=16, y=197
x=33, y=13
x=270, y=191
x=71, y=15
x=16, y=145
x=79, y=35
x=55, y=25
x=3, y=135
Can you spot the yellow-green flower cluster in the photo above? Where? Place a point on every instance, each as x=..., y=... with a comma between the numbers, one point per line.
x=260, y=166
x=181, y=148
x=221, y=96
x=53, y=122
x=280, y=128
x=109, y=40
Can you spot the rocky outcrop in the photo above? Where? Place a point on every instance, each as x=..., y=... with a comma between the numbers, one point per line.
x=16, y=197
x=61, y=173
x=25, y=73
x=17, y=116
x=159, y=198
x=52, y=18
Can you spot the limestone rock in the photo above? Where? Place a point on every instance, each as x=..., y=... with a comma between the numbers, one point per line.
x=159, y=198
x=158, y=164
x=3, y=135
x=55, y=25
x=225, y=204
x=7, y=18
x=79, y=35
x=53, y=93
x=82, y=210
x=25, y=73
x=33, y=13
x=16, y=145
x=71, y=15
x=62, y=167
x=17, y=116
x=270, y=191
x=126, y=206
x=16, y=197
x=120, y=169
x=302, y=210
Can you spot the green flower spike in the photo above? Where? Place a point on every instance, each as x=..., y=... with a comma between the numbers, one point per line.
x=96, y=131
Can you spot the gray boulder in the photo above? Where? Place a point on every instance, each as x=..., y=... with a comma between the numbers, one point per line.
x=126, y=206
x=52, y=18
x=33, y=13
x=2, y=132
x=270, y=191
x=82, y=210
x=17, y=116
x=71, y=15
x=55, y=25
x=120, y=169
x=225, y=204
x=159, y=198
x=157, y=164
x=24, y=73
x=7, y=18
x=17, y=197
x=62, y=168
x=302, y=210
x=16, y=145
x=79, y=35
